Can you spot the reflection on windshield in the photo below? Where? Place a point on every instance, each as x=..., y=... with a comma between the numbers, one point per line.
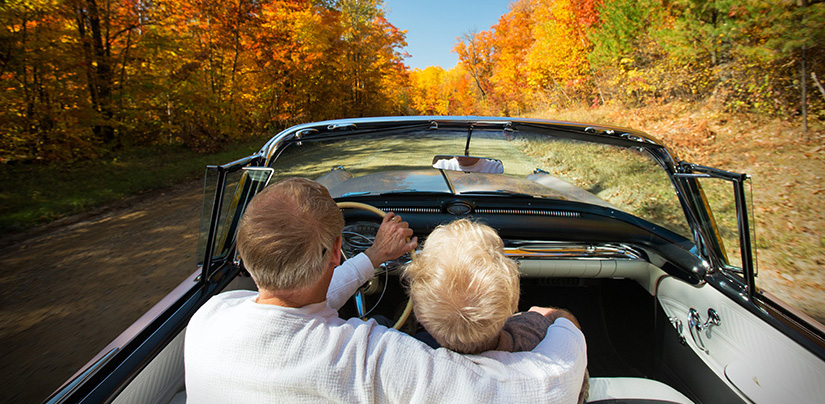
x=465, y=183
x=393, y=181
x=468, y=164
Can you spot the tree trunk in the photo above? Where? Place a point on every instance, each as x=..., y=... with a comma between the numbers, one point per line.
x=237, y=45
x=804, y=79
x=123, y=68
x=98, y=70
x=804, y=96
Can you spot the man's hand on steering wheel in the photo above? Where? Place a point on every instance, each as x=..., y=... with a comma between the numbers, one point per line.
x=392, y=241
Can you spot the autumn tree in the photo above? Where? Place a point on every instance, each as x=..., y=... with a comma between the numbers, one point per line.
x=435, y=91
x=32, y=94
x=429, y=91
x=738, y=50
x=371, y=46
x=512, y=42
x=475, y=54
x=628, y=64
x=557, y=61
x=463, y=94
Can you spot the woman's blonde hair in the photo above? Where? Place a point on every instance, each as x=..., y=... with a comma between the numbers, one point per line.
x=463, y=287
x=287, y=234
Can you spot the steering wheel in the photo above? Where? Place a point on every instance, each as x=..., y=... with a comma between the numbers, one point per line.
x=380, y=213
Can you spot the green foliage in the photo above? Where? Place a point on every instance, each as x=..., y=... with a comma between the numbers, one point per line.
x=744, y=54
x=624, y=24
x=792, y=28
x=701, y=31
x=84, y=78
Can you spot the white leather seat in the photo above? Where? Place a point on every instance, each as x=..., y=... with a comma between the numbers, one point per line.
x=601, y=389
x=633, y=388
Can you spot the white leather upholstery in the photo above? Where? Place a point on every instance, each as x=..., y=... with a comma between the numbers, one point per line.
x=755, y=359
x=601, y=388
x=611, y=388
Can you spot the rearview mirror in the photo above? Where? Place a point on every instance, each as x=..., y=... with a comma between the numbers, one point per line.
x=468, y=164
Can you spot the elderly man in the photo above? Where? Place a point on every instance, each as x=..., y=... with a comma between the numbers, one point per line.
x=286, y=343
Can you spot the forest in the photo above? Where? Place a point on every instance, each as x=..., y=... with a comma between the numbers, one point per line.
x=85, y=78
x=748, y=55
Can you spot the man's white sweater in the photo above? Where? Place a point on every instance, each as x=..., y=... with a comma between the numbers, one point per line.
x=240, y=351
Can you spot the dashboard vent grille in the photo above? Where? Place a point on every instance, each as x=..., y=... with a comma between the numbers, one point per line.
x=532, y=212
x=413, y=210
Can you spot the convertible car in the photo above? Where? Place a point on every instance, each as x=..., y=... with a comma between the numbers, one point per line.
x=654, y=255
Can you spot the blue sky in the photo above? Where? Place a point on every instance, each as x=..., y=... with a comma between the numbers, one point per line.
x=432, y=26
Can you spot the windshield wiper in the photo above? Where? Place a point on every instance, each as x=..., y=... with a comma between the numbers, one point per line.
x=395, y=191
x=355, y=193
x=501, y=192
x=414, y=191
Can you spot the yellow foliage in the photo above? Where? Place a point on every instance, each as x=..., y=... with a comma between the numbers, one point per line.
x=558, y=56
x=428, y=95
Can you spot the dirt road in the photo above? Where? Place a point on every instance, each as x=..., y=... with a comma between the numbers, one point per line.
x=66, y=293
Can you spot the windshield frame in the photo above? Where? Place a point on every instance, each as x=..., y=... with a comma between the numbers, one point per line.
x=623, y=138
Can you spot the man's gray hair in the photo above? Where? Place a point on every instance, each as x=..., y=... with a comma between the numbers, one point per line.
x=287, y=234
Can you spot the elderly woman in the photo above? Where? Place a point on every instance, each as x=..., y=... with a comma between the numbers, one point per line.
x=465, y=291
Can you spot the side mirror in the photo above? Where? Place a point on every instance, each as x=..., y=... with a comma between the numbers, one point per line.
x=468, y=164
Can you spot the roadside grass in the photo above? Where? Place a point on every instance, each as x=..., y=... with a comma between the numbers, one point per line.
x=787, y=169
x=631, y=181
x=32, y=195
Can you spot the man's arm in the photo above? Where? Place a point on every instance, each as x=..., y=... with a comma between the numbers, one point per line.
x=409, y=371
x=391, y=242
x=552, y=314
x=347, y=278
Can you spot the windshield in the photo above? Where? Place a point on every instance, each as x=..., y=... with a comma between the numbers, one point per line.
x=536, y=166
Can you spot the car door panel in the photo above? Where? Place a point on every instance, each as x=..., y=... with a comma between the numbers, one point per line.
x=753, y=358
x=683, y=369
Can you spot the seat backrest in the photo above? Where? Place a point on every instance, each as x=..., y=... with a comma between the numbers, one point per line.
x=629, y=390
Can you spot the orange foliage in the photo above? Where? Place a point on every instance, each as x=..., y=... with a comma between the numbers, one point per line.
x=475, y=54
x=435, y=91
x=538, y=47
x=513, y=40
x=429, y=96
x=85, y=76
